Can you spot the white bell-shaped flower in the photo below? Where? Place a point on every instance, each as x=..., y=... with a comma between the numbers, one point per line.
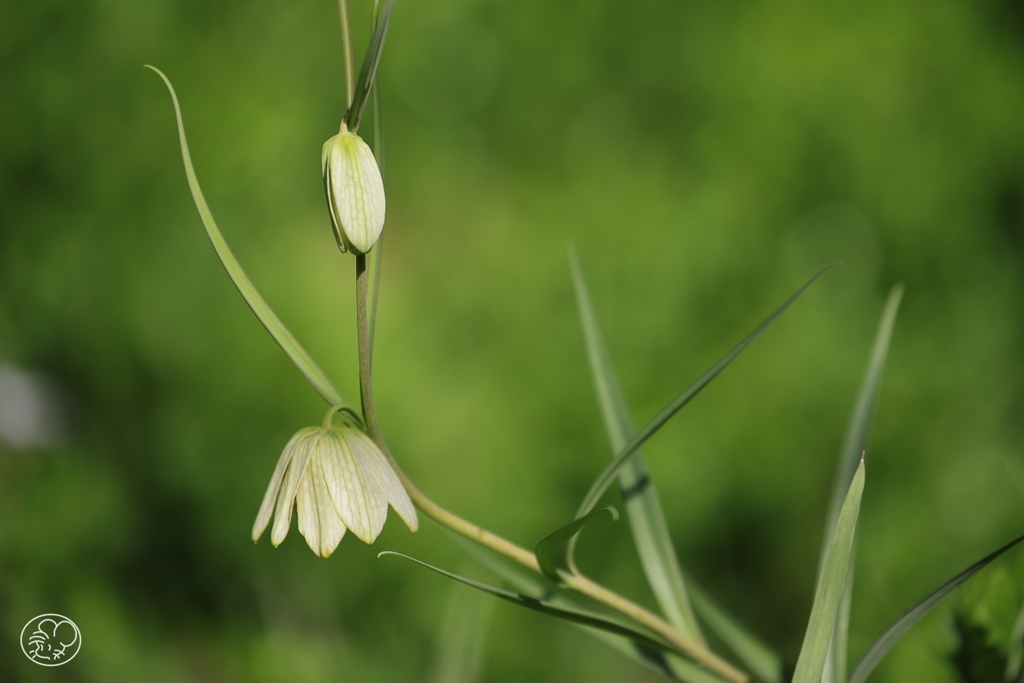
x=338, y=479
x=355, y=191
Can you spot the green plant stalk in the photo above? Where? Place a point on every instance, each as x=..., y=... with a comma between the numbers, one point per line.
x=346, y=49
x=577, y=582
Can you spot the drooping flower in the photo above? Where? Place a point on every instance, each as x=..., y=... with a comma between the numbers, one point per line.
x=338, y=479
x=355, y=191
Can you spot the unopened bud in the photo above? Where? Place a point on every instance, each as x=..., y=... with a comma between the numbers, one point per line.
x=355, y=192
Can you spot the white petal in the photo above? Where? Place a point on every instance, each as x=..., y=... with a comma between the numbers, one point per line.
x=296, y=472
x=270, y=497
x=361, y=505
x=305, y=505
x=318, y=521
x=355, y=191
x=386, y=479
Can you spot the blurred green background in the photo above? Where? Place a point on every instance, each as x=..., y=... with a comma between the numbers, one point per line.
x=705, y=158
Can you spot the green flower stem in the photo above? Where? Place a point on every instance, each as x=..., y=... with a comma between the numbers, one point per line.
x=577, y=582
x=346, y=48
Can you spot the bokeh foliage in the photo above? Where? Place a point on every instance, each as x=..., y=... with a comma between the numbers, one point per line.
x=705, y=158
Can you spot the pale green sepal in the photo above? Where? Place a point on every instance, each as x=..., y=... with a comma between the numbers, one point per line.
x=896, y=630
x=831, y=586
x=609, y=474
x=541, y=605
x=755, y=655
x=306, y=365
x=554, y=551
x=643, y=508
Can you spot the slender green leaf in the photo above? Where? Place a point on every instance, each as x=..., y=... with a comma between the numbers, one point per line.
x=368, y=71
x=758, y=657
x=377, y=145
x=306, y=365
x=831, y=586
x=853, y=446
x=544, y=606
x=898, y=628
x=460, y=646
x=1015, y=650
x=863, y=413
x=605, y=479
x=539, y=587
x=554, y=551
x=643, y=508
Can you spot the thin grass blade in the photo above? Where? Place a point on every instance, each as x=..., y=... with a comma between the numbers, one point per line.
x=854, y=445
x=898, y=628
x=306, y=365
x=368, y=71
x=544, y=606
x=539, y=587
x=831, y=586
x=460, y=647
x=554, y=550
x=643, y=507
x=755, y=655
x=608, y=476
x=859, y=429
x=1015, y=650
x=377, y=146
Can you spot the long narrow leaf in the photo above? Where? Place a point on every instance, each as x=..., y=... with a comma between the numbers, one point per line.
x=898, y=628
x=1015, y=650
x=831, y=586
x=758, y=657
x=643, y=508
x=368, y=71
x=859, y=428
x=545, y=607
x=553, y=551
x=539, y=587
x=306, y=365
x=605, y=479
x=377, y=145
x=853, y=446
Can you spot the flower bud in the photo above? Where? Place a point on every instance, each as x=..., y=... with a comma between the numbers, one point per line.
x=355, y=191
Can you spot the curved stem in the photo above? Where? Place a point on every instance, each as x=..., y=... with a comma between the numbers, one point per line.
x=698, y=652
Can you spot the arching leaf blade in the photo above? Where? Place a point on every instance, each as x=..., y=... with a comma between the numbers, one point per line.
x=306, y=365
x=670, y=665
x=643, y=507
x=554, y=551
x=831, y=586
x=543, y=606
x=898, y=628
x=609, y=474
